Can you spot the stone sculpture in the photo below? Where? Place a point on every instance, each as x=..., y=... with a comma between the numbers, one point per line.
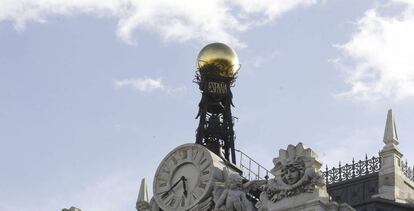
x=298, y=183
x=296, y=171
x=231, y=195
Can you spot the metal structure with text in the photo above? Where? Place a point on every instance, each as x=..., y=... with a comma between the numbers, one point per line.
x=215, y=76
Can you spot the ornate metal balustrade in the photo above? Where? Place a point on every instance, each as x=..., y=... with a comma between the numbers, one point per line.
x=354, y=170
x=252, y=170
x=407, y=170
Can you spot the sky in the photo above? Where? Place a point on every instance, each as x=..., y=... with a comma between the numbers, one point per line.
x=93, y=94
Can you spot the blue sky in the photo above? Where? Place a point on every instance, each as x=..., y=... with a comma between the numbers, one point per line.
x=95, y=93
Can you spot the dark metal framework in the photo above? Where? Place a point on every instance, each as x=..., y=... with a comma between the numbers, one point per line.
x=252, y=170
x=215, y=129
x=351, y=171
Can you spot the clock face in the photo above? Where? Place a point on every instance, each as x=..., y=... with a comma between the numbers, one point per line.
x=183, y=178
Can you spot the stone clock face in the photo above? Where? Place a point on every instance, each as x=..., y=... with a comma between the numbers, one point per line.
x=183, y=178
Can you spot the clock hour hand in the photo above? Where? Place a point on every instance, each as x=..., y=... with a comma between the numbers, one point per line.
x=172, y=187
x=184, y=186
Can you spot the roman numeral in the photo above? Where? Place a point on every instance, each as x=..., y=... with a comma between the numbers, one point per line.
x=204, y=164
x=189, y=153
x=174, y=160
x=182, y=203
x=198, y=191
x=206, y=172
x=164, y=195
x=167, y=168
x=163, y=176
x=202, y=185
x=194, y=196
x=183, y=154
x=172, y=202
x=198, y=157
x=203, y=161
x=162, y=186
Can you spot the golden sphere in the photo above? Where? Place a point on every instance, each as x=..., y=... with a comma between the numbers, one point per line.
x=218, y=59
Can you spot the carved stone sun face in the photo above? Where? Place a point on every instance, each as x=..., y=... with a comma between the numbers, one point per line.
x=290, y=175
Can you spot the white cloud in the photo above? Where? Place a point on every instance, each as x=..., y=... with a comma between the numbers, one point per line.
x=149, y=85
x=378, y=59
x=271, y=8
x=178, y=20
x=141, y=84
x=260, y=60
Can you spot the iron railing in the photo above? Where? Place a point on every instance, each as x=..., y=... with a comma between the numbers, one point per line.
x=407, y=170
x=351, y=171
x=252, y=170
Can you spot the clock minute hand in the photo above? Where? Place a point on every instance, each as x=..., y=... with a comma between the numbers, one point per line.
x=173, y=186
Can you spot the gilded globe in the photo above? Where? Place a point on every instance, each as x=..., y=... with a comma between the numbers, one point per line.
x=218, y=59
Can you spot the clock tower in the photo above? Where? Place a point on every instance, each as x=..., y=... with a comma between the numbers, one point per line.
x=217, y=67
x=203, y=176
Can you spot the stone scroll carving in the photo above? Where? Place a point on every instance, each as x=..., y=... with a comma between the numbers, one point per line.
x=296, y=171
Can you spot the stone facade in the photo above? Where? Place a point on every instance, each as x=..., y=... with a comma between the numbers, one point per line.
x=377, y=184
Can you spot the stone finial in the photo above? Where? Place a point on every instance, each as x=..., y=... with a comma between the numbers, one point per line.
x=390, y=133
x=142, y=201
x=392, y=183
x=143, y=191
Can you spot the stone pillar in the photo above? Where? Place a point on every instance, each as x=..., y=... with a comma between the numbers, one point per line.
x=389, y=174
x=393, y=184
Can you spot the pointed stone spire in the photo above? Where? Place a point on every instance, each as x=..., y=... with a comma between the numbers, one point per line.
x=143, y=191
x=392, y=183
x=142, y=202
x=390, y=133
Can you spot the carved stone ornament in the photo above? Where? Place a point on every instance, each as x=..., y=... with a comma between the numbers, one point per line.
x=143, y=206
x=296, y=171
x=147, y=206
x=230, y=195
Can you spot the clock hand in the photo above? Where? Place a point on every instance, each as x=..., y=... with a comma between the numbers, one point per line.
x=173, y=186
x=184, y=186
